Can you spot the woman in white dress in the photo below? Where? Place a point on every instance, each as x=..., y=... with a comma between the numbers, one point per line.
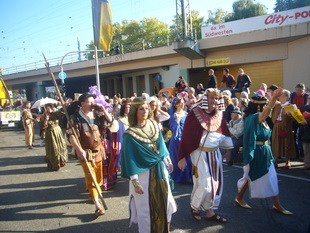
x=145, y=161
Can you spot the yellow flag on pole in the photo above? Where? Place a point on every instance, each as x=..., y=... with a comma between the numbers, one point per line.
x=102, y=23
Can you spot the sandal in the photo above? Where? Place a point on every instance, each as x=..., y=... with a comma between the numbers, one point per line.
x=99, y=212
x=196, y=214
x=217, y=218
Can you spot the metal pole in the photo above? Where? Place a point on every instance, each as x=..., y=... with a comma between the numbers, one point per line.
x=97, y=70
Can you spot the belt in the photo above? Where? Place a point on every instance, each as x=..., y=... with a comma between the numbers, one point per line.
x=207, y=149
x=262, y=142
x=53, y=126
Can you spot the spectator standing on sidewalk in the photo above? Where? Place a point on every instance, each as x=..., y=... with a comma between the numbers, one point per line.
x=243, y=83
x=305, y=133
x=299, y=98
x=236, y=128
x=227, y=80
x=212, y=83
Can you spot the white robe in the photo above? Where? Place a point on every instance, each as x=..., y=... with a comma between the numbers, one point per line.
x=263, y=187
x=207, y=189
x=139, y=203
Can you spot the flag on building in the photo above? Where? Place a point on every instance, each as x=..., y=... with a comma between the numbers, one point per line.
x=102, y=20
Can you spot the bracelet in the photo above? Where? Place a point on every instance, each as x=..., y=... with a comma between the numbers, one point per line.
x=135, y=183
x=168, y=161
x=269, y=107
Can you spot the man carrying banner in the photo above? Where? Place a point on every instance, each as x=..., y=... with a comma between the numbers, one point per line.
x=90, y=120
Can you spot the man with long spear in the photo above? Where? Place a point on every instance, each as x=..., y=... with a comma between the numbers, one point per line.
x=90, y=120
x=85, y=127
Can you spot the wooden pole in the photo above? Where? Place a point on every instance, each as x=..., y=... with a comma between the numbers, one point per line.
x=64, y=107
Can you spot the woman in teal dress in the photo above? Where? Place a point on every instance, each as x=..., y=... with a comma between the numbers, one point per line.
x=259, y=172
x=55, y=145
x=145, y=160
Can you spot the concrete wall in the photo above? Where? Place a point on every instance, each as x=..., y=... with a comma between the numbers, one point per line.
x=296, y=66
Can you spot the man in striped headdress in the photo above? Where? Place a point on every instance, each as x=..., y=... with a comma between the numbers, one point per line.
x=205, y=131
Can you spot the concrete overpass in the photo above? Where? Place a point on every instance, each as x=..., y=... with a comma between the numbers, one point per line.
x=277, y=55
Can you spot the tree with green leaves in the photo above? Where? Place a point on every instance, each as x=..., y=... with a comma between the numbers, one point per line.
x=243, y=9
x=217, y=16
x=135, y=35
x=90, y=55
x=284, y=5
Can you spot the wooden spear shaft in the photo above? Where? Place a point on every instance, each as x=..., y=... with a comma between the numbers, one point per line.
x=64, y=107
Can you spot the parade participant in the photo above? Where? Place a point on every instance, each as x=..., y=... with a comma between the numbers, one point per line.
x=259, y=172
x=89, y=121
x=205, y=131
x=55, y=145
x=28, y=125
x=176, y=123
x=145, y=160
x=283, y=143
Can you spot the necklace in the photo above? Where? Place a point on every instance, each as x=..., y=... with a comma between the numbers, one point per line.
x=150, y=128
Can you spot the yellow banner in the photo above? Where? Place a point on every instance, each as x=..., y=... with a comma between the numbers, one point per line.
x=218, y=62
x=296, y=114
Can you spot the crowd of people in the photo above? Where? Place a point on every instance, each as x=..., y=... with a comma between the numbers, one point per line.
x=158, y=140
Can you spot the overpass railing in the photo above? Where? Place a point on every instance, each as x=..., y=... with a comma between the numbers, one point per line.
x=124, y=47
x=72, y=58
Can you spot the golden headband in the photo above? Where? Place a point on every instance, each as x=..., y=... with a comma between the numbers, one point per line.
x=214, y=93
x=141, y=102
x=259, y=101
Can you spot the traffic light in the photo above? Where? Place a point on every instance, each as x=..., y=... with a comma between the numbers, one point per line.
x=117, y=49
x=63, y=89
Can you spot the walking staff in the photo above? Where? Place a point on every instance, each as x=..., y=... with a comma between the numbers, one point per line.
x=74, y=132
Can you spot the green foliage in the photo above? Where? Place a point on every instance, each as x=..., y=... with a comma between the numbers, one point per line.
x=90, y=55
x=176, y=30
x=283, y=5
x=134, y=35
x=131, y=36
x=216, y=17
x=243, y=9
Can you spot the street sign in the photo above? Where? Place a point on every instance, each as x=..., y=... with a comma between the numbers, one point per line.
x=62, y=75
x=158, y=77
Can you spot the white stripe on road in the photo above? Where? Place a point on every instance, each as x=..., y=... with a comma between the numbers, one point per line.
x=293, y=177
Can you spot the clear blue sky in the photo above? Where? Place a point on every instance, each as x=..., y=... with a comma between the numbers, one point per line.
x=30, y=27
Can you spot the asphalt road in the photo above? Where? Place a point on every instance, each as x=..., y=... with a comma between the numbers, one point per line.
x=35, y=199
